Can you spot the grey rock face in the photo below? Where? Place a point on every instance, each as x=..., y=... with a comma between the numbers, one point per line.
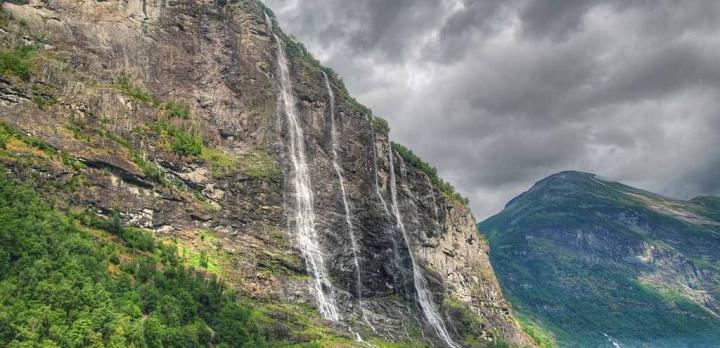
x=220, y=61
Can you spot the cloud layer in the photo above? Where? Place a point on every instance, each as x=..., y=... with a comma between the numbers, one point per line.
x=500, y=93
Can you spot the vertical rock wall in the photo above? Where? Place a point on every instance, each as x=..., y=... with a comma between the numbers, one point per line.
x=219, y=60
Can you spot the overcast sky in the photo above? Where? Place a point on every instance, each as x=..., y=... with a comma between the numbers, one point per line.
x=501, y=93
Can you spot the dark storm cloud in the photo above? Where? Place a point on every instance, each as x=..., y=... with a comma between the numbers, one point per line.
x=499, y=94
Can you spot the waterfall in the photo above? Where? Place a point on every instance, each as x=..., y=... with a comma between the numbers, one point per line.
x=268, y=21
x=397, y=263
x=421, y=288
x=375, y=168
x=434, y=205
x=307, y=236
x=338, y=171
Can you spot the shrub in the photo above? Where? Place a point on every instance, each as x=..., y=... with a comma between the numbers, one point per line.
x=18, y=61
x=380, y=124
x=150, y=169
x=182, y=141
x=175, y=109
x=134, y=237
x=187, y=143
x=135, y=92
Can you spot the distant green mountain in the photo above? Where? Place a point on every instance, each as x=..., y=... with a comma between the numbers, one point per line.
x=602, y=264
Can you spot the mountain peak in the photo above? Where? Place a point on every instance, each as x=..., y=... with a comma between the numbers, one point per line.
x=557, y=185
x=577, y=249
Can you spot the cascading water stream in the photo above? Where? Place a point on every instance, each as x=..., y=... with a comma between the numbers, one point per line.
x=395, y=248
x=434, y=204
x=348, y=216
x=307, y=235
x=421, y=288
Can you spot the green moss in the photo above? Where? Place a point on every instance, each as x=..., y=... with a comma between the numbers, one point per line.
x=260, y=164
x=18, y=61
x=219, y=162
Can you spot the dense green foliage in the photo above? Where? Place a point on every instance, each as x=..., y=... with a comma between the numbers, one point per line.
x=61, y=284
x=560, y=253
x=445, y=187
x=18, y=61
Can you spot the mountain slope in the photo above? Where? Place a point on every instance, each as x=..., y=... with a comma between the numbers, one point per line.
x=202, y=124
x=597, y=261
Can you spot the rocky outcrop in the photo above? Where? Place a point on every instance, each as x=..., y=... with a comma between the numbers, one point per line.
x=168, y=113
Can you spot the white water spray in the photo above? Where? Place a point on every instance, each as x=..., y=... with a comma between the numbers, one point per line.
x=304, y=211
x=424, y=296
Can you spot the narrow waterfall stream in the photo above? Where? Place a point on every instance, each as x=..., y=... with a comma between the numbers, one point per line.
x=395, y=248
x=348, y=214
x=307, y=236
x=424, y=296
x=375, y=167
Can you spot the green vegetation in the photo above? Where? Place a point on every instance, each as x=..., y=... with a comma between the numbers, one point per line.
x=42, y=95
x=297, y=50
x=413, y=160
x=175, y=109
x=540, y=335
x=135, y=238
x=172, y=109
x=18, y=61
x=560, y=253
x=380, y=124
x=220, y=163
x=184, y=141
x=64, y=285
x=151, y=170
x=136, y=92
x=7, y=132
x=260, y=165
x=473, y=326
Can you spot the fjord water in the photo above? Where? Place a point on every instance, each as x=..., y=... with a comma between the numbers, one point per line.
x=421, y=287
x=307, y=235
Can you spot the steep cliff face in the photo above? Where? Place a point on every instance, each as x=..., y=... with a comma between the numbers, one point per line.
x=203, y=122
x=601, y=263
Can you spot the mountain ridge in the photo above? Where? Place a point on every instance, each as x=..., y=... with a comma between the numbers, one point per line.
x=617, y=255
